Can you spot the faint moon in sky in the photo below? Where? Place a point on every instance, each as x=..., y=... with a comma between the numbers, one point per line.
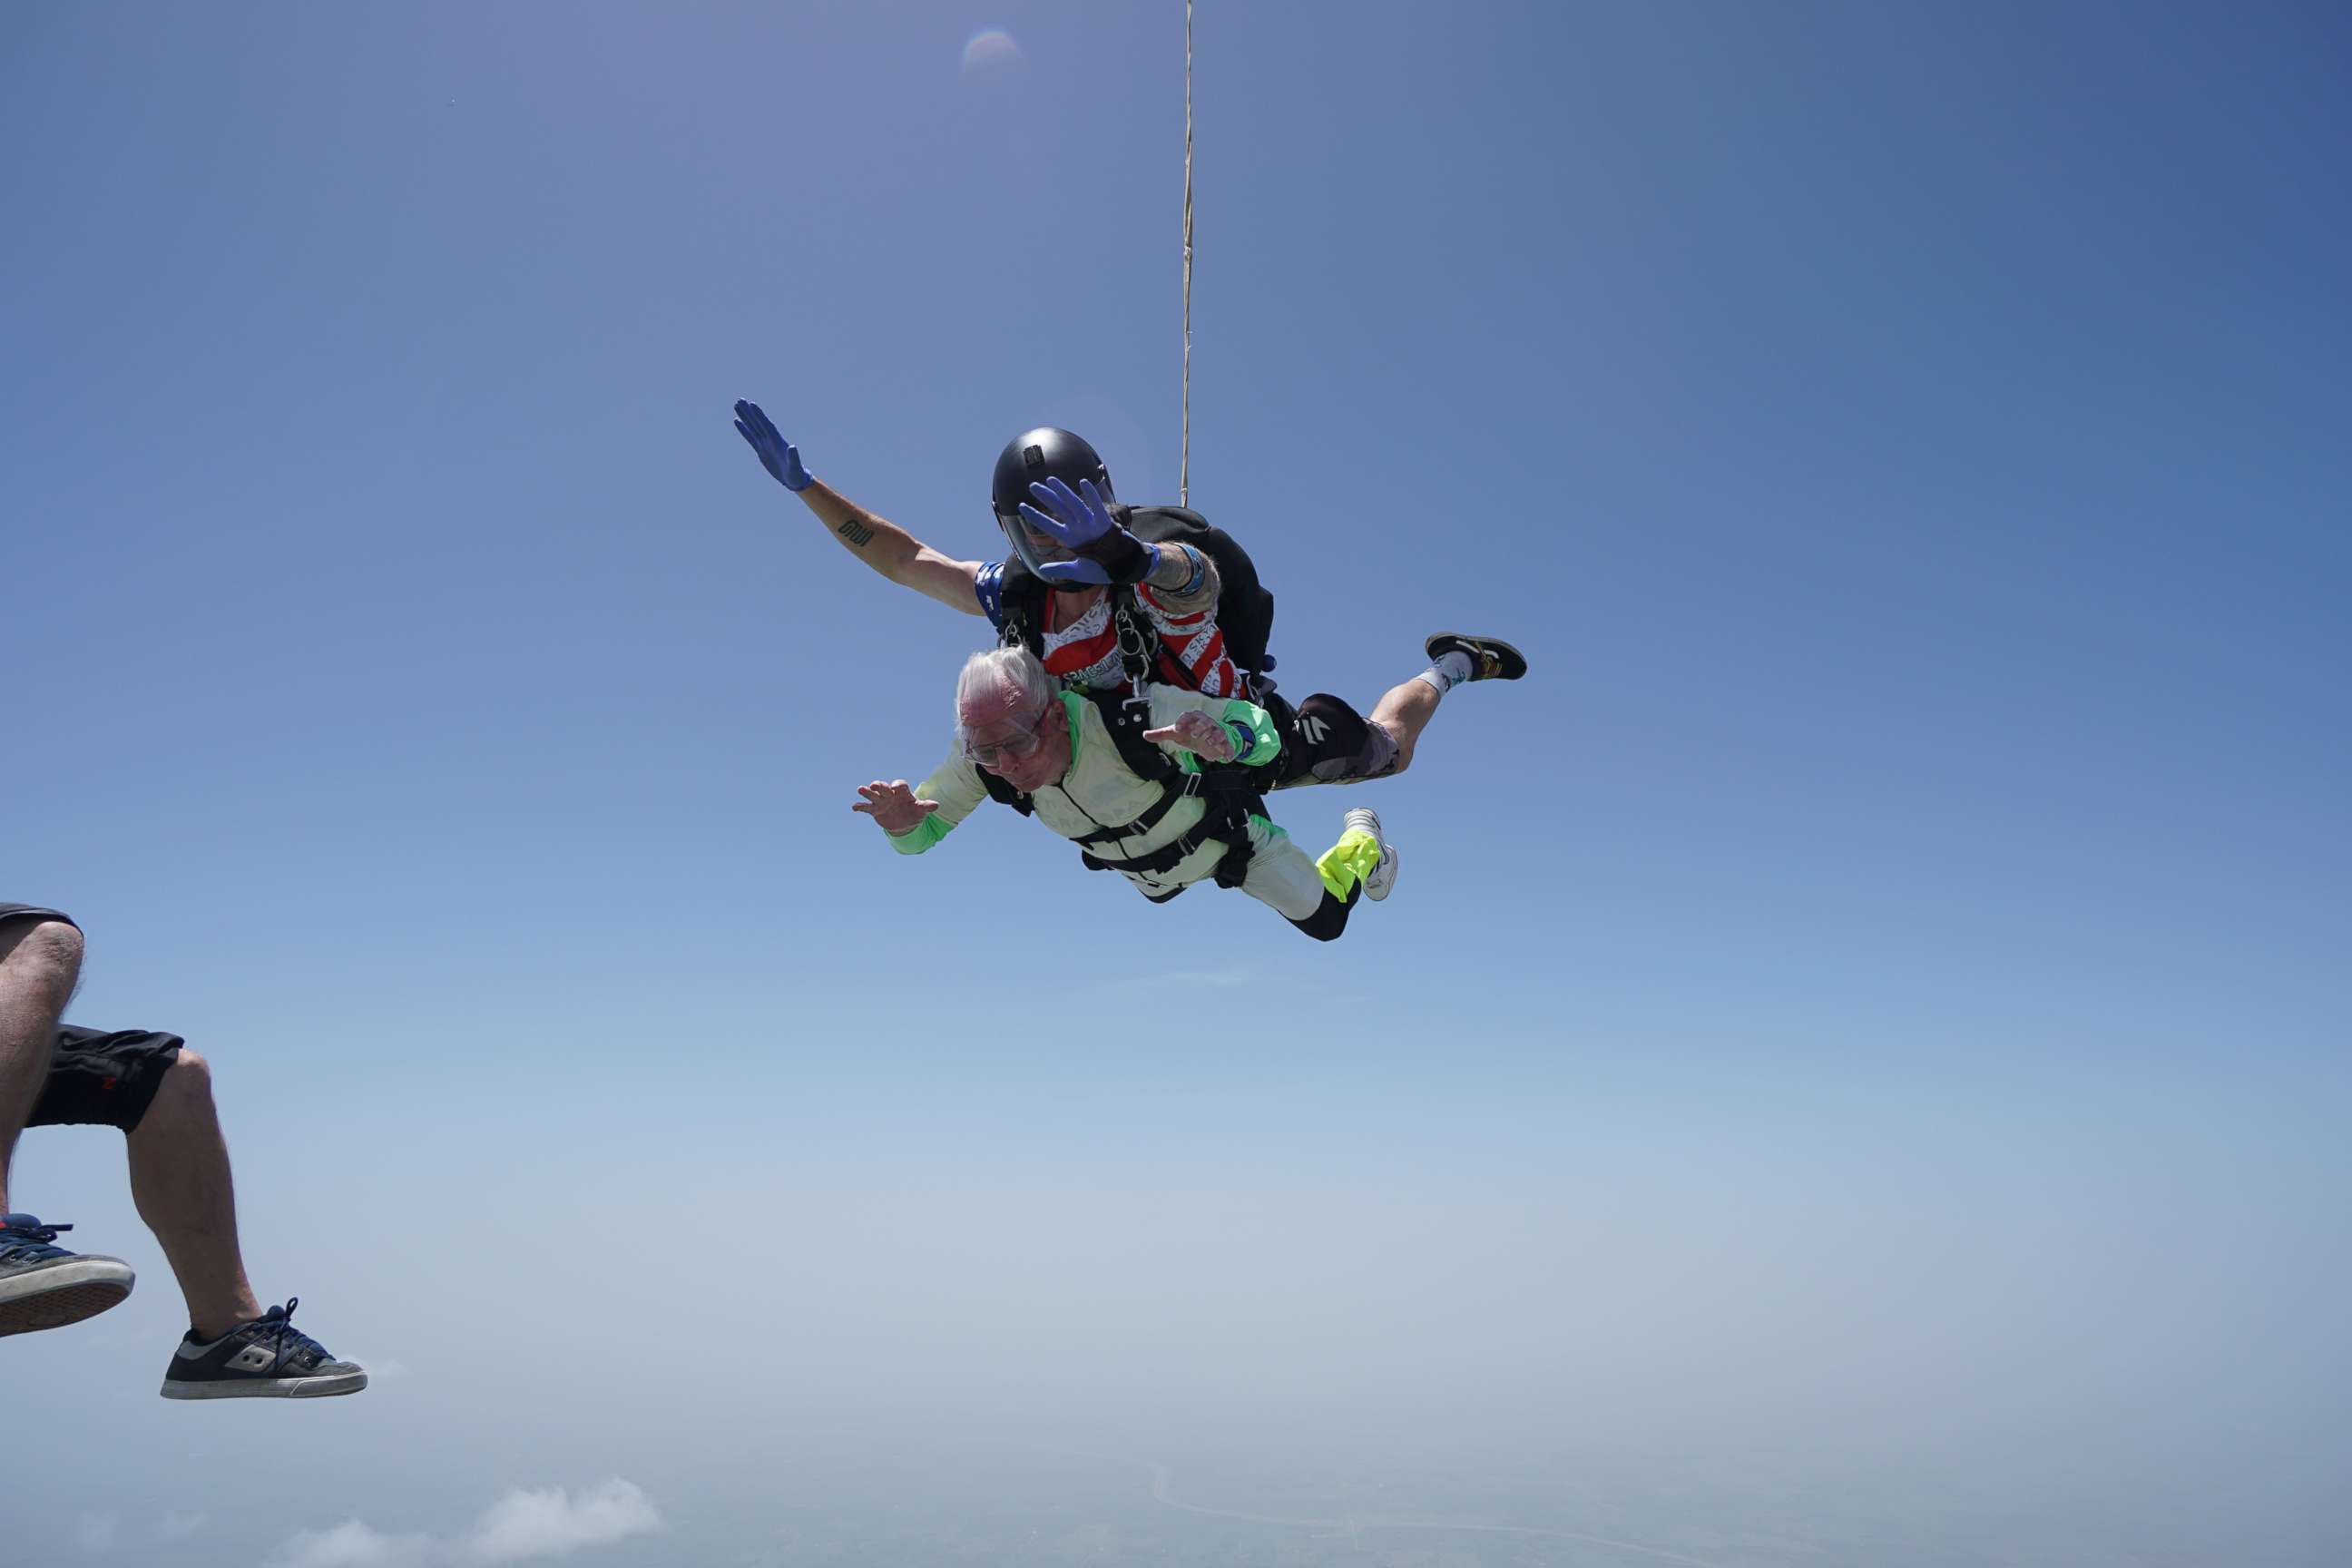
x=990, y=49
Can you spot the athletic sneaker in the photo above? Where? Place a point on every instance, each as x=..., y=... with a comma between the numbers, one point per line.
x=268, y=1358
x=43, y=1285
x=1491, y=659
x=1382, y=876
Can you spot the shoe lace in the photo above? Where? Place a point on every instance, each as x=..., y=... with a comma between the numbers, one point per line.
x=28, y=1236
x=277, y=1327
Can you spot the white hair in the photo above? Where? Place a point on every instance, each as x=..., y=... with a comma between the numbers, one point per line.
x=1002, y=685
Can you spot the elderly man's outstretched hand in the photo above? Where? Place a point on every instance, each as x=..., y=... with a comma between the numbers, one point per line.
x=893, y=806
x=1196, y=733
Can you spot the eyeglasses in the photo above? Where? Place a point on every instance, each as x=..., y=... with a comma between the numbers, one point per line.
x=995, y=751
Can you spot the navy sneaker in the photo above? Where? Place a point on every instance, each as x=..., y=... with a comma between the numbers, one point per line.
x=268, y=1358
x=43, y=1285
x=1491, y=659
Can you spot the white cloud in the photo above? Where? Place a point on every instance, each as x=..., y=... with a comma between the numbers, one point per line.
x=95, y=1534
x=545, y=1523
x=518, y=1525
x=351, y=1545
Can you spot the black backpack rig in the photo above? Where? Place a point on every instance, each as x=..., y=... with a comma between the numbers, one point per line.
x=1244, y=613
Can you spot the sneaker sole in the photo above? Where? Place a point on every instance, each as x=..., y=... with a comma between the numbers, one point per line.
x=53, y=1297
x=268, y=1387
x=1387, y=884
x=1514, y=662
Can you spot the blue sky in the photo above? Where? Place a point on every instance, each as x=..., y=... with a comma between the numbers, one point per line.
x=1909, y=444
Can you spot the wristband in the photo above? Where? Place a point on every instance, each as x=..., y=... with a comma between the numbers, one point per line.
x=1199, y=571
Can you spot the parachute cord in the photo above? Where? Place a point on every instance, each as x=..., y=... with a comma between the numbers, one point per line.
x=1184, y=461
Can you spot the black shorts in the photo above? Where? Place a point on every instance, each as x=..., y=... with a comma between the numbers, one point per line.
x=101, y=1078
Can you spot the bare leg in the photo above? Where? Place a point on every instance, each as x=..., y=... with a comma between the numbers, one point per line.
x=1404, y=711
x=40, y=962
x=179, y=1180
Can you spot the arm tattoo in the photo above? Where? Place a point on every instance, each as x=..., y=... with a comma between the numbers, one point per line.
x=856, y=533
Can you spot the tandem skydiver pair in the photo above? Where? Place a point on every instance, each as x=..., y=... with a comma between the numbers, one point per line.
x=1131, y=707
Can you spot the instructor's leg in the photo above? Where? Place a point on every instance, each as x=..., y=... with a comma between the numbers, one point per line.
x=1381, y=745
x=1404, y=711
x=40, y=960
x=179, y=1180
x=1454, y=658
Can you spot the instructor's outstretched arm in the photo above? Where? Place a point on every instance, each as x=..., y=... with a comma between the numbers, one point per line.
x=881, y=544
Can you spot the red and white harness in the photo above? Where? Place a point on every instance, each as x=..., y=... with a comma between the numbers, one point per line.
x=1190, y=651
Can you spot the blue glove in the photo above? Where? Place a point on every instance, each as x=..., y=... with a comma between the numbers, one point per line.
x=778, y=455
x=1080, y=520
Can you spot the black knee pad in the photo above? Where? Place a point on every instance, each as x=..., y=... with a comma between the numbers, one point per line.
x=1336, y=742
x=1331, y=917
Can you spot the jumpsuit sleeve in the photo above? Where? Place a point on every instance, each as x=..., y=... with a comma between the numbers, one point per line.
x=988, y=587
x=1264, y=743
x=955, y=784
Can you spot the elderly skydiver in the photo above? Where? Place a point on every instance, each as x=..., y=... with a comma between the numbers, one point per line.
x=159, y=1094
x=1131, y=789
x=1108, y=609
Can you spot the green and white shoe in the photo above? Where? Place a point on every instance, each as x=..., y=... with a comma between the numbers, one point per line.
x=1381, y=877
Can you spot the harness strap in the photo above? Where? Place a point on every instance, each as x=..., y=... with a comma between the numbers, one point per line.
x=1151, y=817
x=1156, y=862
x=1227, y=823
x=1135, y=644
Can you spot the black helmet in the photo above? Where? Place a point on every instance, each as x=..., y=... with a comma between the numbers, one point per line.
x=1043, y=454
